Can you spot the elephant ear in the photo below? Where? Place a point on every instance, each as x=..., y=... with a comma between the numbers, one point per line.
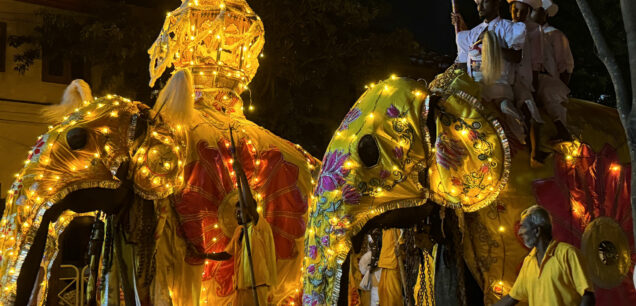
x=472, y=154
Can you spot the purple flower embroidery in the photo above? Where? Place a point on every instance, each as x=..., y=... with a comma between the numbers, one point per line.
x=450, y=153
x=325, y=241
x=351, y=116
x=398, y=152
x=350, y=195
x=311, y=269
x=333, y=174
x=392, y=111
x=313, y=251
x=384, y=174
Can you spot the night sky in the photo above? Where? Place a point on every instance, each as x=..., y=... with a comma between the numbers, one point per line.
x=429, y=20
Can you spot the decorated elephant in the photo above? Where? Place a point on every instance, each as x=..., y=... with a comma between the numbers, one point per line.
x=162, y=179
x=407, y=150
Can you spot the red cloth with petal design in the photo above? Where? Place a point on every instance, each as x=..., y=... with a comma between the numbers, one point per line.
x=208, y=181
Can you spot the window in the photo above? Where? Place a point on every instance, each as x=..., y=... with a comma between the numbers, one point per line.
x=3, y=46
x=56, y=69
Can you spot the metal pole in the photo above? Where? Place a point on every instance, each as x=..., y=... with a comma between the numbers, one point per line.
x=242, y=205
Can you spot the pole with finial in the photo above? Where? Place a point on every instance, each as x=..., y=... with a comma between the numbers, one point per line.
x=241, y=181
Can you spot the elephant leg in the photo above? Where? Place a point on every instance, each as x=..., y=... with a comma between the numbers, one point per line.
x=343, y=297
x=31, y=265
x=399, y=218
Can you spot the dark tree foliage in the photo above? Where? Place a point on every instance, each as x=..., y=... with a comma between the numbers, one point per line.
x=112, y=38
x=318, y=57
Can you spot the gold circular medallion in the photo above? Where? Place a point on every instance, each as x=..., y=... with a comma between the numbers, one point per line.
x=606, y=250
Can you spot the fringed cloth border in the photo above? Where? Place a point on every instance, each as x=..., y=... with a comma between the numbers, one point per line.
x=356, y=227
x=59, y=226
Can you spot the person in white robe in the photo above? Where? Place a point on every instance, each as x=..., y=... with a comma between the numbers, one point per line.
x=526, y=76
x=553, y=81
x=510, y=38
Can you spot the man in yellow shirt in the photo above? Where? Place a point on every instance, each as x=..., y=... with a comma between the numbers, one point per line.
x=390, y=286
x=552, y=274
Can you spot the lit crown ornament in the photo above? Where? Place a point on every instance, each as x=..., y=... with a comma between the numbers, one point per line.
x=218, y=41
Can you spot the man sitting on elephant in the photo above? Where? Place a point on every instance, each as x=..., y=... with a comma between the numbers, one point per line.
x=495, y=79
x=540, y=281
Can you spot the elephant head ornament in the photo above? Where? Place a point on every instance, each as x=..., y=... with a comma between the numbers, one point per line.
x=388, y=155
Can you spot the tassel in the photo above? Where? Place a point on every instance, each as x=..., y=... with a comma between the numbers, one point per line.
x=74, y=95
x=176, y=100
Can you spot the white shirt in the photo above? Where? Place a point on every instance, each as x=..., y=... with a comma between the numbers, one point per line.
x=563, y=60
x=510, y=35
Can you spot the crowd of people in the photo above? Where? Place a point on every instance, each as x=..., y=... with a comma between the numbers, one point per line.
x=523, y=66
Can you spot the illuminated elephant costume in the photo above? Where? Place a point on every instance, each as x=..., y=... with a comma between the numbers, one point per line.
x=163, y=176
x=406, y=147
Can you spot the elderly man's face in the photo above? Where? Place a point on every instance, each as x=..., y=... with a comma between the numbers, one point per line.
x=487, y=8
x=529, y=234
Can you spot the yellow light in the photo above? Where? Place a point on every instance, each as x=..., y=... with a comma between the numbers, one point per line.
x=258, y=162
x=107, y=148
x=231, y=161
x=393, y=77
x=105, y=130
x=216, y=225
x=156, y=181
x=464, y=132
x=502, y=229
x=109, y=96
x=386, y=87
x=73, y=168
x=100, y=105
x=379, y=189
x=371, y=116
x=338, y=134
x=568, y=157
x=615, y=168
x=259, y=209
x=251, y=108
x=113, y=114
x=96, y=155
x=167, y=165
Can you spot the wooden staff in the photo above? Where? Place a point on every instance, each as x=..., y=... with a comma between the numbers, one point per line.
x=240, y=179
x=454, y=9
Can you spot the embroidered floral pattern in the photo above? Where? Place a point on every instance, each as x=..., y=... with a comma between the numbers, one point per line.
x=351, y=116
x=350, y=195
x=333, y=171
x=392, y=111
